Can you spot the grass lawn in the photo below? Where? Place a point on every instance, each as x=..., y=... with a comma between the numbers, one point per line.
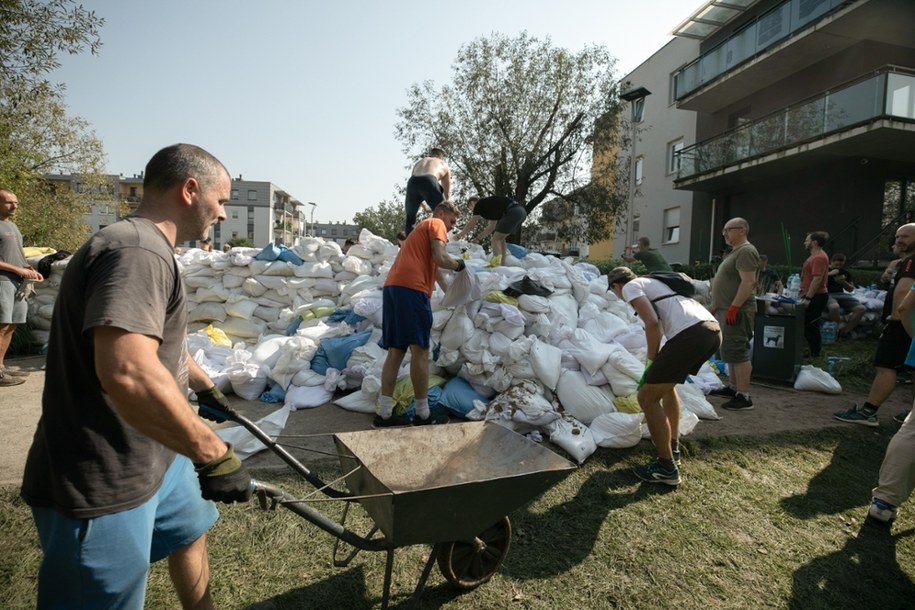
x=772, y=522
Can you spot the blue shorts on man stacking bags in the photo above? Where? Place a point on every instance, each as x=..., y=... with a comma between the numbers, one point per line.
x=406, y=318
x=102, y=562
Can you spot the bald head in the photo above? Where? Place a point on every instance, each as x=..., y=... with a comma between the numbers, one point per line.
x=905, y=239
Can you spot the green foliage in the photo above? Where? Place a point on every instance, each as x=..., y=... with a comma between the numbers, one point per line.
x=240, y=242
x=386, y=219
x=37, y=137
x=517, y=119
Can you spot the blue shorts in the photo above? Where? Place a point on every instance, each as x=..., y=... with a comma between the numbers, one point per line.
x=102, y=562
x=407, y=318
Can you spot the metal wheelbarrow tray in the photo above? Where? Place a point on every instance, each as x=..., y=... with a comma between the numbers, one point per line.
x=450, y=486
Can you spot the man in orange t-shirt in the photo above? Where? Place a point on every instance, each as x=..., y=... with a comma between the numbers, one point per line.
x=407, y=313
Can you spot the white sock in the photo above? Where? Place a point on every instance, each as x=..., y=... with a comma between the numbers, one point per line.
x=422, y=408
x=385, y=407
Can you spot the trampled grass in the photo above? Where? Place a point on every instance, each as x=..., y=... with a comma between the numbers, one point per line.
x=773, y=522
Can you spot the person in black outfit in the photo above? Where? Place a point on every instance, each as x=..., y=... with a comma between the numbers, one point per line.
x=504, y=214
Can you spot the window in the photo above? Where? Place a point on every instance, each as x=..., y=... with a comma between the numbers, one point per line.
x=636, y=220
x=638, y=110
x=639, y=162
x=234, y=234
x=671, y=225
x=673, y=159
x=234, y=214
x=323, y=231
x=252, y=195
x=333, y=232
x=235, y=194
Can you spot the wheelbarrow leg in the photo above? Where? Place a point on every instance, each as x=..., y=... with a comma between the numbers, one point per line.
x=388, y=568
x=433, y=556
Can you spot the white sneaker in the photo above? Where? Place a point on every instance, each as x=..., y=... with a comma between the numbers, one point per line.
x=881, y=511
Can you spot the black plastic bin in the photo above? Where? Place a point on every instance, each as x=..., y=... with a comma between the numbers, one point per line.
x=778, y=346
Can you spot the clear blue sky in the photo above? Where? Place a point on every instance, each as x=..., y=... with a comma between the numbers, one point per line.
x=303, y=93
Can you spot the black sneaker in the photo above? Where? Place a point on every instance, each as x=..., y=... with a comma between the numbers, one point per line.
x=656, y=473
x=899, y=418
x=738, y=403
x=395, y=421
x=725, y=392
x=434, y=419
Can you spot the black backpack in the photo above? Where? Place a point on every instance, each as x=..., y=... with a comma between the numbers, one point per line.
x=680, y=283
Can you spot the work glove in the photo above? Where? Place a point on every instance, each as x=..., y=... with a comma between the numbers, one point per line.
x=224, y=479
x=26, y=290
x=648, y=364
x=731, y=317
x=461, y=264
x=213, y=405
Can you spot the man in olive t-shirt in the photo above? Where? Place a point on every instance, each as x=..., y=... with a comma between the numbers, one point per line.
x=648, y=256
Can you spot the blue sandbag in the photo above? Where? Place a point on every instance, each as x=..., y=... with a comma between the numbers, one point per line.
x=458, y=396
x=337, y=350
x=516, y=250
x=270, y=252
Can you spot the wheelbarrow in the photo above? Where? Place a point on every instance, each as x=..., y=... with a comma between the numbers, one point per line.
x=450, y=486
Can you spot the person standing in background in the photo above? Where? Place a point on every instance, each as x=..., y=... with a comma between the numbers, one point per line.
x=14, y=270
x=648, y=256
x=734, y=307
x=813, y=289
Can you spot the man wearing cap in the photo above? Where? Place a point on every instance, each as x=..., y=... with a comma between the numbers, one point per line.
x=693, y=336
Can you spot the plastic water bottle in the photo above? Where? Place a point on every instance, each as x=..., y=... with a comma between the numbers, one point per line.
x=828, y=331
x=794, y=285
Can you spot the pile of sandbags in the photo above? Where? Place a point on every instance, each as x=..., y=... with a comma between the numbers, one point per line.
x=295, y=325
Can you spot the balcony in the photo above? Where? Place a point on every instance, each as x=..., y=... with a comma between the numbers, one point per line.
x=872, y=116
x=794, y=36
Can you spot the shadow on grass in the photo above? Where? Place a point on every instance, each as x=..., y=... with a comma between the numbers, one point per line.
x=864, y=573
x=342, y=590
x=832, y=490
x=568, y=531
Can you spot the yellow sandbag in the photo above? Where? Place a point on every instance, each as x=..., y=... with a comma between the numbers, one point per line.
x=31, y=251
x=627, y=404
x=217, y=336
x=403, y=392
x=323, y=312
x=497, y=296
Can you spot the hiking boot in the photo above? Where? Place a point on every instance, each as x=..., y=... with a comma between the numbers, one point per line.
x=725, y=392
x=434, y=419
x=858, y=416
x=899, y=418
x=654, y=472
x=7, y=380
x=740, y=402
x=395, y=421
x=881, y=511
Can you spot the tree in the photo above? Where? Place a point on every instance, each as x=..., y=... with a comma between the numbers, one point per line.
x=36, y=135
x=519, y=119
x=240, y=242
x=386, y=219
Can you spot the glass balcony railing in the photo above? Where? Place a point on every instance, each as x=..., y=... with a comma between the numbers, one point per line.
x=767, y=30
x=891, y=93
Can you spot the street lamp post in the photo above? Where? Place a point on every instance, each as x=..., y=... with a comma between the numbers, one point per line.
x=636, y=98
x=313, y=206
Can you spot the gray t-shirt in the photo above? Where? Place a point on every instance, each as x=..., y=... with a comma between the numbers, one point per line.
x=85, y=460
x=11, y=250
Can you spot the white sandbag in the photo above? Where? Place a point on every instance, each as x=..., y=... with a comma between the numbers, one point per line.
x=240, y=307
x=271, y=282
x=534, y=303
x=253, y=287
x=357, y=265
x=621, y=383
x=268, y=350
x=815, y=379
x=692, y=399
x=199, y=281
x=357, y=401
x=546, y=361
x=249, y=380
x=457, y=331
x=207, y=312
x=213, y=293
x=279, y=268
x=317, y=269
x=249, y=329
x=244, y=443
x=230, y=281
x=617, y=430
x=307, y=397
x=688, y=423
x=591, y=353
x=574, y=437
x=307, y=377
x=582, y=401
x=625, y=362
x=464, y=287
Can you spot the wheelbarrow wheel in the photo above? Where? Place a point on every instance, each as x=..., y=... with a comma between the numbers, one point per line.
x=469, y=564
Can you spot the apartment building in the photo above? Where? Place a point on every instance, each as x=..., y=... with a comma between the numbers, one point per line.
x=337, y=231
x=805, y=120
x=263, y=213
x=798, y=115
